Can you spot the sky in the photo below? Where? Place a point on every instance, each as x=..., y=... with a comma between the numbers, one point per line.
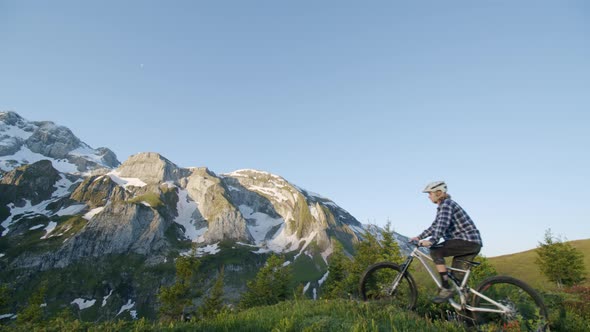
x=361, y=102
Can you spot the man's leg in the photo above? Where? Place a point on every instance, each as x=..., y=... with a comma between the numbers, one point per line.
x=457, y=248
x=438, y=254
x=458, y=264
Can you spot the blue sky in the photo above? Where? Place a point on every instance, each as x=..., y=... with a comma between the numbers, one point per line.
x=361, y=102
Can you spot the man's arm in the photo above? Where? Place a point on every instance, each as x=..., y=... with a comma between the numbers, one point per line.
x=442, y=222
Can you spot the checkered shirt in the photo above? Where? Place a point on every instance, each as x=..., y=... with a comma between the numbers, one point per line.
x=452, y=222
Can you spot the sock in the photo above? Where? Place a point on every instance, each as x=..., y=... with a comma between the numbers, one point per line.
x=445, y=279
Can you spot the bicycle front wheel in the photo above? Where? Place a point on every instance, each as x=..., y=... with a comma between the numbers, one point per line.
x=526, y=310
x=384, y=282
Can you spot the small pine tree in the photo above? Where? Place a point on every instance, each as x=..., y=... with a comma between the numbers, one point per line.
x=176, y=298
x=559, y=261
x=33, y=312
x=338, y=266
x=299, y=293
x=213, y=304
x=371, y=251
x=390, y=250
x=345, y=274
x=270, y=286
x=481, y=272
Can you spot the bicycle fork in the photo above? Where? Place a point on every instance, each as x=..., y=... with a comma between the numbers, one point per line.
x=404, y=269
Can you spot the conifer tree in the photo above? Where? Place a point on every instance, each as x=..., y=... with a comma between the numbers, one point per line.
x=33, y=312
x=338, y=265
x=390, y=250
x=213, y=304
x=371, y=251
x=270, y=286
x=176, y=298
x=481, y=272
x=559, y=261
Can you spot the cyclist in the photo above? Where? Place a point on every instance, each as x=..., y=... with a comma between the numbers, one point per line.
x=461, y=238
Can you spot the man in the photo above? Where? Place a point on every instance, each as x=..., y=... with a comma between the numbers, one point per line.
x=462, y=239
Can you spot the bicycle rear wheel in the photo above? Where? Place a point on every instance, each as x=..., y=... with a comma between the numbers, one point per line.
x=377, y=284
x=527, y=310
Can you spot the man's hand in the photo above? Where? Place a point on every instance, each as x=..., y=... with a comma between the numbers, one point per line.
x=424, y=243
x=414, y=239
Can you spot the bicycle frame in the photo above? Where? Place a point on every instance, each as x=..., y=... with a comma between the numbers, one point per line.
x=461, y=289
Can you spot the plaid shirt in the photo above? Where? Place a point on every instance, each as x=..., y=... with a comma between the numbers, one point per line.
x=452, y=222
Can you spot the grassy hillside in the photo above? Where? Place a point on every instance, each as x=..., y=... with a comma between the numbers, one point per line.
x=298, y=315
x=522, y=265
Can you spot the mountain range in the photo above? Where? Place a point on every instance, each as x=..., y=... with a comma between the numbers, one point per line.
x=66, y=209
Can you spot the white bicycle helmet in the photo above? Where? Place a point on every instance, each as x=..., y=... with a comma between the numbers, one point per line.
x=435, y=186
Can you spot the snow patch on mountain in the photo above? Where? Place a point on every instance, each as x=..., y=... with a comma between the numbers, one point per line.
x=24, y=211
x=105, y=298
x=324, y=278
x=90, y=214
x=211, y=249
x=26, y=156
x=8, y=132
x=262, y=223
x=87, y=153
x=186, y=208
x=284, y=242
x=125, y=182
x=62, y=186
x=50, y=228
x=83, y=304
x=126, y=307
x=71, y=210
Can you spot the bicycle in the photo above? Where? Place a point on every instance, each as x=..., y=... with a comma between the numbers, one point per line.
x=499, y=301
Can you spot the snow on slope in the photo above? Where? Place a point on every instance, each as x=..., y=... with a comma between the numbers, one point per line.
x=14, y=139
x=263, y=223
x=186, y=208
x=26, y=156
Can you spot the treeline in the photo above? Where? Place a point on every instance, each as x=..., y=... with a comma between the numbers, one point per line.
x=569, y=306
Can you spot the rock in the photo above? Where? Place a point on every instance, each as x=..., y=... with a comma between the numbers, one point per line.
x=52, y=141
x=34, y=182
x=108, y=157
x=151, y=167
x=225, y=222
x=120, y=228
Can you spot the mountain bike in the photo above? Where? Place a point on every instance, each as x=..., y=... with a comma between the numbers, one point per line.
x=498, y=302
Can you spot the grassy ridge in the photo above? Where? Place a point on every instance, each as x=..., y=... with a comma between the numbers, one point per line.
x=522, y=265
x=296, y=315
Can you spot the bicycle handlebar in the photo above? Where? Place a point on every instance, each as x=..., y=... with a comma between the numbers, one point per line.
x=416, y=243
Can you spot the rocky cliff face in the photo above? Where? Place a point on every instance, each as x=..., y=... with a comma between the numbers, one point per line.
x=23, y=142
x=139, y=206
x=33, y=182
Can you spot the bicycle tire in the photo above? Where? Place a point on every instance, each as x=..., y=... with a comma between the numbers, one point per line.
x=529, y=311
x=377, y=279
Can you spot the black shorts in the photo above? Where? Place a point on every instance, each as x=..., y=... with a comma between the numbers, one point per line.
x=460, y=249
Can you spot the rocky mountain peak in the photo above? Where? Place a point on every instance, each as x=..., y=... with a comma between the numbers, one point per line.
x=25, y=142
x=52, y=140
x=12, y=119
x=151, y=167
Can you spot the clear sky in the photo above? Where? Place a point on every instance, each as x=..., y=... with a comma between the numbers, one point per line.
x=364, y=102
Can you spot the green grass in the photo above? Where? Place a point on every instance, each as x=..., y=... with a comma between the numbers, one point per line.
x=301, y=315
x=152, y=199
x=522, y=266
